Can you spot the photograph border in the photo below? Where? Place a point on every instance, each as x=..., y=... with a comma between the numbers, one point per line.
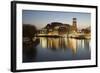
x=14, y=37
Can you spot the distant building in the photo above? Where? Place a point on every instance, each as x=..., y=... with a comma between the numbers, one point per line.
x=74, y=25
x=60, y=28
x=86, y=30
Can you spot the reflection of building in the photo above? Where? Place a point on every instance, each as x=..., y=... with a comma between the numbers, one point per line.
x=59, y=44
x=72, y=44
x=58, y=28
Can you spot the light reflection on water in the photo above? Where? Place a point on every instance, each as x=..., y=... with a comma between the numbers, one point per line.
x=58, y=49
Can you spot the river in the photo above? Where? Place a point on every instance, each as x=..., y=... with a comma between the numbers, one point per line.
x=56, y=49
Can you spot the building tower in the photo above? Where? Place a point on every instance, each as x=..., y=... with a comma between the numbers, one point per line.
x=74, y=24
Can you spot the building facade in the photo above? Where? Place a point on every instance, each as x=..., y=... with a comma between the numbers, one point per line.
x=58, y=28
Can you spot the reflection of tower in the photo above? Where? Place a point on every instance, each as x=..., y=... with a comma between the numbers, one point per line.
x=74, y=24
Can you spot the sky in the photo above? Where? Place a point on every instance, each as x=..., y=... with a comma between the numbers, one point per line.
x=41, y=18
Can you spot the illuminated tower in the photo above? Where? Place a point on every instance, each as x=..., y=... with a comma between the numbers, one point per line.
x=74, y=24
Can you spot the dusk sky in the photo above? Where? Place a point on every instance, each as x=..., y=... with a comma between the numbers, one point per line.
x=42, y=18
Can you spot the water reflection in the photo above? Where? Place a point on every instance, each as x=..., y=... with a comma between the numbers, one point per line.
x=64, y=43
x=30, y=51
x=57, y=49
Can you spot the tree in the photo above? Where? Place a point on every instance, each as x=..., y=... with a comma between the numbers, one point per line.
x=29, y=30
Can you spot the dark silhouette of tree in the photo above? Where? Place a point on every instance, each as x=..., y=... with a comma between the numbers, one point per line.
x=29, y=30
x=29, y=47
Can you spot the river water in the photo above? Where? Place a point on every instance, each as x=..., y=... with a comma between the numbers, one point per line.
x=45, y=49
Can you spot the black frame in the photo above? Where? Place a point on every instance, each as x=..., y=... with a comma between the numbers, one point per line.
x=13, y=34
